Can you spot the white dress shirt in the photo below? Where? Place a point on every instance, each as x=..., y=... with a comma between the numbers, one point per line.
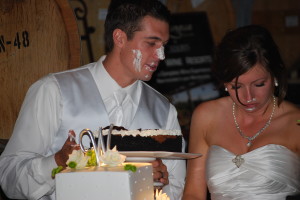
x=24, y=167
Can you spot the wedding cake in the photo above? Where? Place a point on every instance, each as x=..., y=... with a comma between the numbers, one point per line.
x=102, y=173
x=107, y=183
x=144, y=140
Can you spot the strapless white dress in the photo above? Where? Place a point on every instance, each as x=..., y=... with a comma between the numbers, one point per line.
x=271, y=172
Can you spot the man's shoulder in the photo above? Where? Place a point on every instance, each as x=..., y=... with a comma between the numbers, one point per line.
x=87, y=66
x=155, y=92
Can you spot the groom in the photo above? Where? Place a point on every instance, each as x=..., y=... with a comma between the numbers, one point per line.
x=109, y=91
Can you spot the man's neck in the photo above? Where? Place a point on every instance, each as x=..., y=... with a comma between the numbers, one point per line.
x=114, y=68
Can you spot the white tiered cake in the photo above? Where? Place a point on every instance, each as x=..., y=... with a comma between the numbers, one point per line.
x=106, y=183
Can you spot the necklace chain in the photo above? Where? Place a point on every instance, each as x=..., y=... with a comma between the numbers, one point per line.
x=250, y=139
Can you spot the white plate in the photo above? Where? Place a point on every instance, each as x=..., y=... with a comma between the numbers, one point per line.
x=139, y=159
x=158, y=154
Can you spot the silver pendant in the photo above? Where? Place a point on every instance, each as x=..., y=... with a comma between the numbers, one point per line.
x=238, y=160
x=249, y=144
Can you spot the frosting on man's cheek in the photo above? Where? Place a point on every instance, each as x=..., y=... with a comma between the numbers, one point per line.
x=137, y=59
x=160, y=52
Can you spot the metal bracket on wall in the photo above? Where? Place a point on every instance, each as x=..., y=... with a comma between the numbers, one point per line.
x=81, y=15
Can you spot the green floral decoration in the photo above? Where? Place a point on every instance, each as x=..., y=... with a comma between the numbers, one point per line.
x=130, y=167
x=78, y=160
x=72, y=164
x=56, y=171
x=92, y=158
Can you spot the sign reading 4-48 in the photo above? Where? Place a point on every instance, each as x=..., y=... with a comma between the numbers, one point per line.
x=20, y=40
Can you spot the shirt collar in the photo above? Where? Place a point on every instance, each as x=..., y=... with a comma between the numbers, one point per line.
x=107, y=85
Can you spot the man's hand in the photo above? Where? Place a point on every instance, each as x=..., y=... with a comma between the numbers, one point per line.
x=160, y=172
x=62, y=156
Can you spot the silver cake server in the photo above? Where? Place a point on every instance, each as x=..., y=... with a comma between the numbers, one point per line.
x=108, y=141
x=101, y=141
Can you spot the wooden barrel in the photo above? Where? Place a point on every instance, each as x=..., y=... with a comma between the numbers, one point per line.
x=37, y=37
x=282, y=20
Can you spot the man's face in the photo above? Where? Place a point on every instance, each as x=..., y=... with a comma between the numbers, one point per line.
x=141, y=55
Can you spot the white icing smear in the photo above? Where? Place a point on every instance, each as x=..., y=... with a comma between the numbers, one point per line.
x=137, y=59
x=143, y=133
x=160, y=52
x=151, y=65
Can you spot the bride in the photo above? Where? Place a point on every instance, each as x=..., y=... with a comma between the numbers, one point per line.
x=250, y=139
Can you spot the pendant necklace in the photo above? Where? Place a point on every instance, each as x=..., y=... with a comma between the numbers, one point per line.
x=250, y=139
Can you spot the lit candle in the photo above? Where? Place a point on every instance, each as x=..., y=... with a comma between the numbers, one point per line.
x=161, y=196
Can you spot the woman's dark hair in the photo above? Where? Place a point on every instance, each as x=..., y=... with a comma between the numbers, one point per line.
x=241, y=49
x=127, y=15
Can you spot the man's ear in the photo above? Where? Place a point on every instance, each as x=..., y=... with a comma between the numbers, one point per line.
x=119, y=37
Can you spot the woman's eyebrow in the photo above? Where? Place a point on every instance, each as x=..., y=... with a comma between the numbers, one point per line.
x=260, y=79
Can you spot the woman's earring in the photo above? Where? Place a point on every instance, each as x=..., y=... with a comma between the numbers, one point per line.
x=275, y=82
x=226, y=89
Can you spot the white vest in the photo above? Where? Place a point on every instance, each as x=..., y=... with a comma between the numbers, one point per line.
x=83, y=106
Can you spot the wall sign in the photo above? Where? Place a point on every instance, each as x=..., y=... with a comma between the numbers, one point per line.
x=188, y=54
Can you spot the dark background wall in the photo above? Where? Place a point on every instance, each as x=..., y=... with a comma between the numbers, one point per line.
x=184, y=76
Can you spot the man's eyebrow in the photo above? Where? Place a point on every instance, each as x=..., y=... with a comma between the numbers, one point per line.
x=157, y=38
x=153, y=38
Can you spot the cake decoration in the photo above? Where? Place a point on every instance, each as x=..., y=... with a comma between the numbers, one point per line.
x=161, y=196
x=104, y=155
x=97, y=155
x=97, y=148
x=56, y=171
x=130, y=167
x=112, y=158
x=77, y=160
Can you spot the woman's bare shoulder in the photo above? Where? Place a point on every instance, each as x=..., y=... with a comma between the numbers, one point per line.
x=213, y=105
x=206, y=116
x=288, y=108
x=288, y=118
x=210, y=109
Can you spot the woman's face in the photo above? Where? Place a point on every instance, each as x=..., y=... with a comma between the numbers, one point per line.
x=255, y=88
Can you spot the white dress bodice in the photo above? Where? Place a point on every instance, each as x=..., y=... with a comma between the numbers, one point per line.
x=271, y=172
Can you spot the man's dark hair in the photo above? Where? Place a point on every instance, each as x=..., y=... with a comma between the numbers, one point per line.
x=127, y=15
